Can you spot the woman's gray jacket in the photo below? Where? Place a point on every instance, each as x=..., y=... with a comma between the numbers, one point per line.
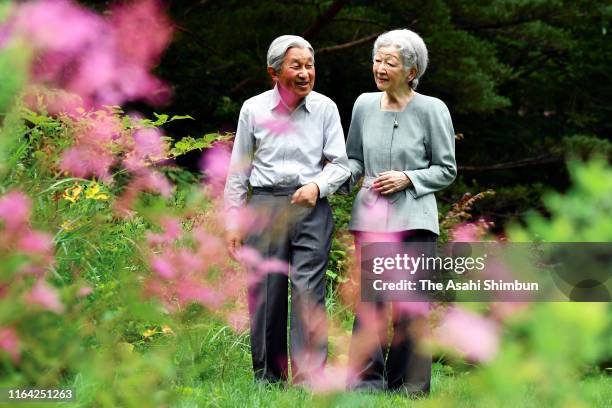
x=420, y=141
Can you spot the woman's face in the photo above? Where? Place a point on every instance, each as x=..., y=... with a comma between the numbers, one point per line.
x=388, y=70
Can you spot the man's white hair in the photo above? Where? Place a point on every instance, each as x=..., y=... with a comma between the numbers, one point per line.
x=279, y=47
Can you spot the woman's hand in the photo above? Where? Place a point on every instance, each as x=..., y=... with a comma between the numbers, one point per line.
x=389, y=182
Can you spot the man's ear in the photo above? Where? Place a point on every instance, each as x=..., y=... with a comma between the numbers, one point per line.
x=272, y=74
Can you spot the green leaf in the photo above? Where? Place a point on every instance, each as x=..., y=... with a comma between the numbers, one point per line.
x=179, y=117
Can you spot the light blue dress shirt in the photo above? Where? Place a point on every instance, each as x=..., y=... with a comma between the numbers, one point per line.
x=275, y=148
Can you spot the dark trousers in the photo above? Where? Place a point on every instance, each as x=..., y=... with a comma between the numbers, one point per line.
x=302, y=237
x=401, y=365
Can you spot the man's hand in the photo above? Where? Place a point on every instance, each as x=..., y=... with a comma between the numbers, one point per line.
x=389, y=182
x=233, y=239
x=306, y=195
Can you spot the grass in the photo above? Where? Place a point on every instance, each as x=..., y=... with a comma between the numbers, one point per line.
x=213, y=369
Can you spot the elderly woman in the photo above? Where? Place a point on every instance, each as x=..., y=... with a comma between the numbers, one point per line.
x=402, y=143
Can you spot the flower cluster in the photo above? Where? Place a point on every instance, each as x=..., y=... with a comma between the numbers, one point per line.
x=104, y=60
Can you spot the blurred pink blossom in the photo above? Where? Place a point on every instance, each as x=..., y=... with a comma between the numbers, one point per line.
x=215, y=163
x=14, y=210
x=146, y=180
x=374, y=217
x=107, y=61
x=466, y=232
x=260, y=265
x=190, y=262
x=144, y=29
x=278, y=126
x=153, y=182
x=84, y=160
x=163, y=267
x=211, y=244
x=9, y=343
x=34, y=242
x=238, y=320
x=85, y=291
x=57, y=25
x=148, y=144
x=471, y=231
x=189, y=291
x=172, y=230
x=45, y=296
x=244, y=219
x=333, y=378
x=471, y=335
x=413, y=309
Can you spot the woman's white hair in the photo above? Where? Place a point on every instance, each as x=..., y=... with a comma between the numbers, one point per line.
x=410, y=46
x=279, y=47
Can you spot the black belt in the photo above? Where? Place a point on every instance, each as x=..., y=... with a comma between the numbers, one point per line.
x=277, y=191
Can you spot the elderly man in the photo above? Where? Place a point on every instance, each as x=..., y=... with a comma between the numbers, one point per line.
x=289, y=148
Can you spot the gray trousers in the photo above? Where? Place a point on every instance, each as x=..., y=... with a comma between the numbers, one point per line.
x=398, y=366
x=302, y=237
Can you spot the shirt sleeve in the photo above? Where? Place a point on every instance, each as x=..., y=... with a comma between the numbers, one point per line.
x=354, y=145
x=334, y=150
x=236, y=185
x=443, y=167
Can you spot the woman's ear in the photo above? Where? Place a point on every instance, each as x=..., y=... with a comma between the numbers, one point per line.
x=412, y=74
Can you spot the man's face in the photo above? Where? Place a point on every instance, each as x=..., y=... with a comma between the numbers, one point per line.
x=297, y=73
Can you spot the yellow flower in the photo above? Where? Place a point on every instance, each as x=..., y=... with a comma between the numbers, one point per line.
x=72, y=194
x=148, y=333
x=167, y=330
x=93, y=192
x=67, y=225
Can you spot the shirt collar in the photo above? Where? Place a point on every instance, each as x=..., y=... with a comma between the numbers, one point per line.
x=276, y=99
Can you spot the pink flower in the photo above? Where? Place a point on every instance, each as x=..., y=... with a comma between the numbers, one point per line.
x=466, y=232
x=471, y=231
x=57, y=25
x=85, y=291
x=153, y=182
x=83, y=160
x=33, y=242
x=148, y=144
x=238, y=320
x=244, y=219
x=45, y=296
x=9, y=343
x=215, y=163
x=163, y=267
x=172, y=230
x=105, y=61
x=102, y=130
x=272, y=265
x=208, y=243
x=14, y=210
x=411, y=308
x=190, y=262
x=278, y=125
x=260, y=265
x=332, y=378
x=374, y=217
x=144, y=31
x=471, y=335
x=189, y=291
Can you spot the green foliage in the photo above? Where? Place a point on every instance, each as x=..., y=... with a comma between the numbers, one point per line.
x=583, y=214
x=188, y=143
